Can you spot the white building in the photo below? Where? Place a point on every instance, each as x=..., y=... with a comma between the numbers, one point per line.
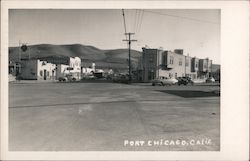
x=89, y=71
x=36, y=69
x=73, y=69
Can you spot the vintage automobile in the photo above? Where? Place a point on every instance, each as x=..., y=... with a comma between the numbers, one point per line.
x=68, y=78
x=184, y=80
x=164, y=81
x=210, y=80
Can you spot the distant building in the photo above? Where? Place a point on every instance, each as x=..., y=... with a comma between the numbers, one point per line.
x=88, y=70
x=37, y=70
x=156, y=63
x=173, y=65
x=150, y=63
x=62, y=70
x=188, y=68
x=216, y=71
x=14, y=68
x=205, y=68
x=73, y=68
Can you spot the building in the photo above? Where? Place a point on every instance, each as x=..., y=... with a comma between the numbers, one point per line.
x=215, y=71
x=205, y=68
x=173, y=64
x=150, y=64
x=14, y=68
x=73, y=69
x=156, y=63
x=86, y=71
x=188, y=68
x=36, y=69
x=61, y=70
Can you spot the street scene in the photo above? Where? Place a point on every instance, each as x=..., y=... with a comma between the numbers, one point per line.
x=112, y=80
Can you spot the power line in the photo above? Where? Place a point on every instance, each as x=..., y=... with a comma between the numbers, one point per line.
x=140, y=22
x=124, y=22
x=139, y=19
x=135, y=19
x=182, y=17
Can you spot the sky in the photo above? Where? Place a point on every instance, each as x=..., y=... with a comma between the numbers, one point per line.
x=197, y=32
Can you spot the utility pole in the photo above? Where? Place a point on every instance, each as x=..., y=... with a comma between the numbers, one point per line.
x=129, y=53
x=19, y=50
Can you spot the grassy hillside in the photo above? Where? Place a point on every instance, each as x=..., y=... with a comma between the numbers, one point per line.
x=117, y=58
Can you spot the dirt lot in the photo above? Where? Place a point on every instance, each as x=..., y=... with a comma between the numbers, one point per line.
x=109, y=116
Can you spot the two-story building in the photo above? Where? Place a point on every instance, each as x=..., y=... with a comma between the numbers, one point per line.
x=156, y=63
x=205, y=68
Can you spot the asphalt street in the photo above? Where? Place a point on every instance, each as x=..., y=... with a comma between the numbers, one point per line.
x=113, y=117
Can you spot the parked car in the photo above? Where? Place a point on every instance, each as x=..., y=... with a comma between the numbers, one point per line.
x=184, y=80
x=210, y=80
x=67, y=77
x=164, y=81
x=63, y=79
x=197, y=81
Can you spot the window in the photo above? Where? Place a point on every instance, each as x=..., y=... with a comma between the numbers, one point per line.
x=180, y=62
x=171, y=61
x=187, y=62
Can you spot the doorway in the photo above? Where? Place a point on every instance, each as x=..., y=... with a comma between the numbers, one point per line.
x=44, y=74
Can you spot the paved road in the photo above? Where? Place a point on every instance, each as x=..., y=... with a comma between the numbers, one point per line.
x=108, y=116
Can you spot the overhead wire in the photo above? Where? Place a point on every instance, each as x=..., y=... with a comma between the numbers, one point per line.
x=135, y=20
x=182, y=17
x=140, y=22
x=124, y=23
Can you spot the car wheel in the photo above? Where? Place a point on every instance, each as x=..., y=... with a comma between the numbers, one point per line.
x=153, y=84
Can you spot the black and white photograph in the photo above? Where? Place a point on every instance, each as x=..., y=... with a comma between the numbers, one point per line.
x=114, y=79
x=120, y=79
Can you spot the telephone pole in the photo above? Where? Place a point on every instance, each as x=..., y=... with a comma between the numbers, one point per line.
x=129, y=53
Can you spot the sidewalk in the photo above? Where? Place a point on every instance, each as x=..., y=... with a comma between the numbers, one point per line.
x=32, y=81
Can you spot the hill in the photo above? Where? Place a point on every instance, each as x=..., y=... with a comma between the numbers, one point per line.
x=117, y=58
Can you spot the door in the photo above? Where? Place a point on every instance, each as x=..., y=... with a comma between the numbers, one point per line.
x=53, y=75
x=44, y=74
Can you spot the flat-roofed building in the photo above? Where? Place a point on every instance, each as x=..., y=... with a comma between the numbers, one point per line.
x=35, y=69
x=205, y=68
x=157, y=63
x=73, y=68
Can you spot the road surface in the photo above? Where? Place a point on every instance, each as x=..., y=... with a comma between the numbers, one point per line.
x=113, y=117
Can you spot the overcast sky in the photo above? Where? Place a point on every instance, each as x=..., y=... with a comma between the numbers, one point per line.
x=195, y=31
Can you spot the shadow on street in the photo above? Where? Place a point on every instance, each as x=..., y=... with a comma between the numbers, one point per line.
x=190, y=94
